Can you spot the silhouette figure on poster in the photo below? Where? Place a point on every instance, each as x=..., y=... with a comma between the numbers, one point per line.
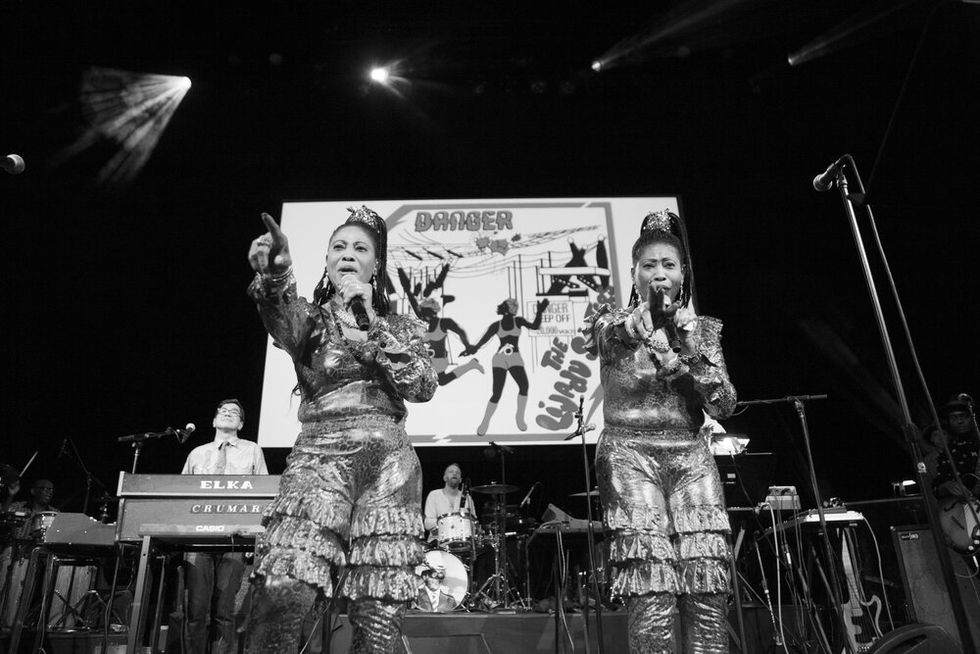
x=507, y=358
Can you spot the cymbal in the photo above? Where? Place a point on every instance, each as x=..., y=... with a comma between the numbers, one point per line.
x=592, y=493
x=494, y=489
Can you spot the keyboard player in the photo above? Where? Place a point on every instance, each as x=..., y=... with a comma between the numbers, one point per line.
x=213, y=579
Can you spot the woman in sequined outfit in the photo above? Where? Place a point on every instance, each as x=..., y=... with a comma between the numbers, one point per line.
x=658, y=481
x=350, y=496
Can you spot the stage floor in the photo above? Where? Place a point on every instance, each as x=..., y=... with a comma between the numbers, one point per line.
x=456, y=633
x=501, y=633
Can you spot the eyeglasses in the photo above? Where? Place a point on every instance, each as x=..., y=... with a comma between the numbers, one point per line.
x=230, y=412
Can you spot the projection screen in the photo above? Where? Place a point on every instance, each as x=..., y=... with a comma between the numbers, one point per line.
x=461, y=259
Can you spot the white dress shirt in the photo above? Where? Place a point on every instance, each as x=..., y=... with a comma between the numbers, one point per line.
x=242, y=457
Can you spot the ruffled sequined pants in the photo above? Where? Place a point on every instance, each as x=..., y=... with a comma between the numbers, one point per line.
x=664, y=502
x=349, y=499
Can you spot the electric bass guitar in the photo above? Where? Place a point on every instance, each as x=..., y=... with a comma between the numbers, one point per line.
x=861, y=615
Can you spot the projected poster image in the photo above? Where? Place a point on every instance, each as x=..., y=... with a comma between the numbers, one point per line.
x=503, y=288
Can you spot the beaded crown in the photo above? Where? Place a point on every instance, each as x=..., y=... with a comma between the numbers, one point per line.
x=369, y=218
x=658, y=221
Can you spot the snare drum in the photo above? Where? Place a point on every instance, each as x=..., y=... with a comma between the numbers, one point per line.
x=454, y=530
x=456, y=581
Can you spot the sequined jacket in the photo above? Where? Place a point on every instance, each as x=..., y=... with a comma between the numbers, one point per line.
x=338, y=377
x=637, y=397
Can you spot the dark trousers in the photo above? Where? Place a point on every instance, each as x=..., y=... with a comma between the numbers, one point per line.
x=212, y=581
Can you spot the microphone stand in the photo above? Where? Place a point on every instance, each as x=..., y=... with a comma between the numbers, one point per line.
x=834, y=585
x=909, y=429
x=138, y=439
x=89, y=477
x=580, y=431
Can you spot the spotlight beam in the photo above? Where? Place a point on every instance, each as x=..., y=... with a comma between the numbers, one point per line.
x=687, y=17
x=844, y=34
x=129, y=110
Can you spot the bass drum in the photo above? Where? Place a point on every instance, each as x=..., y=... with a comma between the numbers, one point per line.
x=456, y=581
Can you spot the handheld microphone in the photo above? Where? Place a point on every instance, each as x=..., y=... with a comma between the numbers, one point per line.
x=360, y=313
x=825, y=180
x=527, y=498
x=13, y=164
x=656, y=299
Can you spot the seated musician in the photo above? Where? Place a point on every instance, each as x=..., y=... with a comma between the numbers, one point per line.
x=447, y=499
x=959, y=431
x=213, y=579
x=432, y=597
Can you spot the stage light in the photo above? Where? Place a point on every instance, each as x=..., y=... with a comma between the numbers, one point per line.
x=597, y=65
x=379, y=74
x=128, y=111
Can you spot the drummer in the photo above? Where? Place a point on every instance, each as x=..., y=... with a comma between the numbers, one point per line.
x=42, y=493
x=445, y=500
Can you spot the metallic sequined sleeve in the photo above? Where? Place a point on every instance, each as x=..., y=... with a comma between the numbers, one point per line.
x=708, y=369
x=404, y=358
x=608, y=336
x=286, y=316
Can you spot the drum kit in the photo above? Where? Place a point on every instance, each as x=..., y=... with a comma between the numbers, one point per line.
x=461, y=540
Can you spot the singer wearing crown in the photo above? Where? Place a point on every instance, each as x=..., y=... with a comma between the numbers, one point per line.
x=350, y=496
x=662, y=368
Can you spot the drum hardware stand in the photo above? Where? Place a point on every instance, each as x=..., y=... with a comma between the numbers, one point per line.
x=470, y=592
x=502, y=450
x=499, y=581
x=89, y=477
x=76, y=457
x=502, y=587
x=593, y=571
x=74, y=610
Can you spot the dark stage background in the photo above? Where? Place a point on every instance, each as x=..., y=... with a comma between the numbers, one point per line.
x=125, y=309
